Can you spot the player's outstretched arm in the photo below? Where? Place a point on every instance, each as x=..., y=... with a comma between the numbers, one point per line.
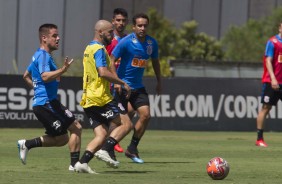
x=106, y=74
x=52, y=75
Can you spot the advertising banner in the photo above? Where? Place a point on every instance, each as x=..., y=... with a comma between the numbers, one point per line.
x=201, y=104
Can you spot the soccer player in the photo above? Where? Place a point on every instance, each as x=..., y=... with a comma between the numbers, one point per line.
x=135, y=50
x=119, y=21
x=272, y=81
x=97, y=101
x=43, y=76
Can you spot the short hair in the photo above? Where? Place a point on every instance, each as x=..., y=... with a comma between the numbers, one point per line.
x=120, y=11
x=44, y=29
x=139, y=15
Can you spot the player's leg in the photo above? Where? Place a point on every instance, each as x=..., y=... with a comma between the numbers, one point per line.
x=56, y=134
x=268, y=99
x=140, y=102
x=127, y=126
x=130, y=110
x=260, y=124
x=69, y=123
x=100, y=134
x=139, y=130
x=107, y=151
x=123, y=106
x=74, y=143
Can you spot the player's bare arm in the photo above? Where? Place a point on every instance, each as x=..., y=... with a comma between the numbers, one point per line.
x=52, y=75
x=27, y=78
x=157, y=70
x=112, y=66
x=106, y=74
x=117, y=87
x=274, y=83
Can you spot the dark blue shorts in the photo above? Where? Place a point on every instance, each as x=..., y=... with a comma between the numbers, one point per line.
x=102, y=115
x=270, y=96
x=55, y=117
x=139, y=97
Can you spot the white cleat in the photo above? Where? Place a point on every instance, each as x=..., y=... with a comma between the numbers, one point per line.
x=71, y=168
x=83, y=168
x=22, y=150
x=104, y=156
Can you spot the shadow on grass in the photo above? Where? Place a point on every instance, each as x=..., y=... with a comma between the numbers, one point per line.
x=128, y=172
x=163, y=162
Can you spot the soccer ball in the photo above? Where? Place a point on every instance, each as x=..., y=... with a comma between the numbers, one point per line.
x=218, y=168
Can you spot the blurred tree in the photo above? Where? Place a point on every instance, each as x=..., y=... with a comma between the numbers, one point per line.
x=183, y=43
x=196, y=46
x=247, y=42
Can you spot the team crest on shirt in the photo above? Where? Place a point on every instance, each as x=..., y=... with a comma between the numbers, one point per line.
x=134, y=40
x=275, y=40
x=149, y=42
x=149, y=49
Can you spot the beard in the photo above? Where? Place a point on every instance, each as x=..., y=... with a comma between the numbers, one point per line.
x=106, y=40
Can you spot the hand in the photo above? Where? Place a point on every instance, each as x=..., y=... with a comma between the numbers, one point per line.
x=117, y=88
x=128, y=90
x=67, y=64
x=274, y=84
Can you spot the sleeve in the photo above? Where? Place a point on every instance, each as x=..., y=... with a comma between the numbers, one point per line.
x=155, y=53
x=100, y=58
x=118, y=49
x=111, y=47
x=43, y=63
x=29, y=68
x=269, y=49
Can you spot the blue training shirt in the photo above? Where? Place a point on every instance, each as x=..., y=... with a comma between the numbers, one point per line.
x=134, y=58
x=99, y=56
x=269, y=49
x=42, y=62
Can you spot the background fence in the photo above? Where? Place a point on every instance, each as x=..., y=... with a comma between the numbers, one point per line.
x=20, y=20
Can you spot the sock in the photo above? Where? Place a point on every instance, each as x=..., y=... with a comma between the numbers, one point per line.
x=109, y=144
x=260, y=134
x=32, y=143
x=86, y=157
x=133, y=144
x=74, y=157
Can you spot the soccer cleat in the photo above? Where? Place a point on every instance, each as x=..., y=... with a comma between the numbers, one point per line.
x=83, y=168
x=105, y=156
x=71, y=168
x=118, y=148
x=261, y=143
x=22, y=150
x=134, y=157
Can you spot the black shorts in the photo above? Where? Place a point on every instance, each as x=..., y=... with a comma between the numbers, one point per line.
x=102, y=115
x=139, y=97
x=55, y=117
x=270, y=96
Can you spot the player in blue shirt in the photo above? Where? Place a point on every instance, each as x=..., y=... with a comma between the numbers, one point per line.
x=135, y=51
x=43, y=76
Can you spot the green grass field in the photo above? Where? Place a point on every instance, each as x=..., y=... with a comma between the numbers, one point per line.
x=171, y=157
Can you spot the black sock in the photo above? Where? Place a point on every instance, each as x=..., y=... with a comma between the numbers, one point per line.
x=32, y=143
x=260, y=134
x=86, y=157
x=133, y=144
x=74, y=157
x=109, y=144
